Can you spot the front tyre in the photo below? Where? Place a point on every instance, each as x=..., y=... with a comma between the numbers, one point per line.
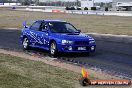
x=25, y=43
x=53, y=49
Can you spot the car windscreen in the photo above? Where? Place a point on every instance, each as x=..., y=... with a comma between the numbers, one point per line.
x=62, y=27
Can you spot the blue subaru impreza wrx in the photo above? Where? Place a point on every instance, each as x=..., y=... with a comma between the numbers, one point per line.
x=56, y=36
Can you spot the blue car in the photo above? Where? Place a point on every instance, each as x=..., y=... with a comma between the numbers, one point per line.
x=56, y=36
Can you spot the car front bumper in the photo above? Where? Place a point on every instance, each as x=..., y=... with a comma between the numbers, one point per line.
x=76, y=48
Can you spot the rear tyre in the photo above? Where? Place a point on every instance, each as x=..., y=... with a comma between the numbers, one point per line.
x=25, y=43
x=53, y=49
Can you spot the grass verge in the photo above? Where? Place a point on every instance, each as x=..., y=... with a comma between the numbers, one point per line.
x=87, y=23
x=16, y=72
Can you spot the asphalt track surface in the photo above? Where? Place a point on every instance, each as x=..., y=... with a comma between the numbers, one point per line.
x=104, y=59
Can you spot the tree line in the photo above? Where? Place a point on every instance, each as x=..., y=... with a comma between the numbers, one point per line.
x=54, y=3
x=47, y=3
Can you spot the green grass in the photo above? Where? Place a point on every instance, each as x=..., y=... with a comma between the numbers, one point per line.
x=87, y=23
x=16, y=72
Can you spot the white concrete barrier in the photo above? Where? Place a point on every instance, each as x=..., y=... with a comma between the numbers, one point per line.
x=47, y=10
x=29, y=9
x=118, y=14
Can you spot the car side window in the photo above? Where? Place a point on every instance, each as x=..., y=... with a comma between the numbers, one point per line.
x=44, y=26
x=36, y=26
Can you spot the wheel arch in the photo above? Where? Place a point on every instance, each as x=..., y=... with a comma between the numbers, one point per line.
x=24, y=36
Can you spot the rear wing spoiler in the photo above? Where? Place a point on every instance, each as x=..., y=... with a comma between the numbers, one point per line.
x=27, y=24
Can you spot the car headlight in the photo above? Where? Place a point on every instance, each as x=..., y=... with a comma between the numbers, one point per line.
x=67, y=42
x=92, y=42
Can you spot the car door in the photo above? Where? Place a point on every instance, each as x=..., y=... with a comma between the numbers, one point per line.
x=35, y=34
x=44, y=33
x=39, y=35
